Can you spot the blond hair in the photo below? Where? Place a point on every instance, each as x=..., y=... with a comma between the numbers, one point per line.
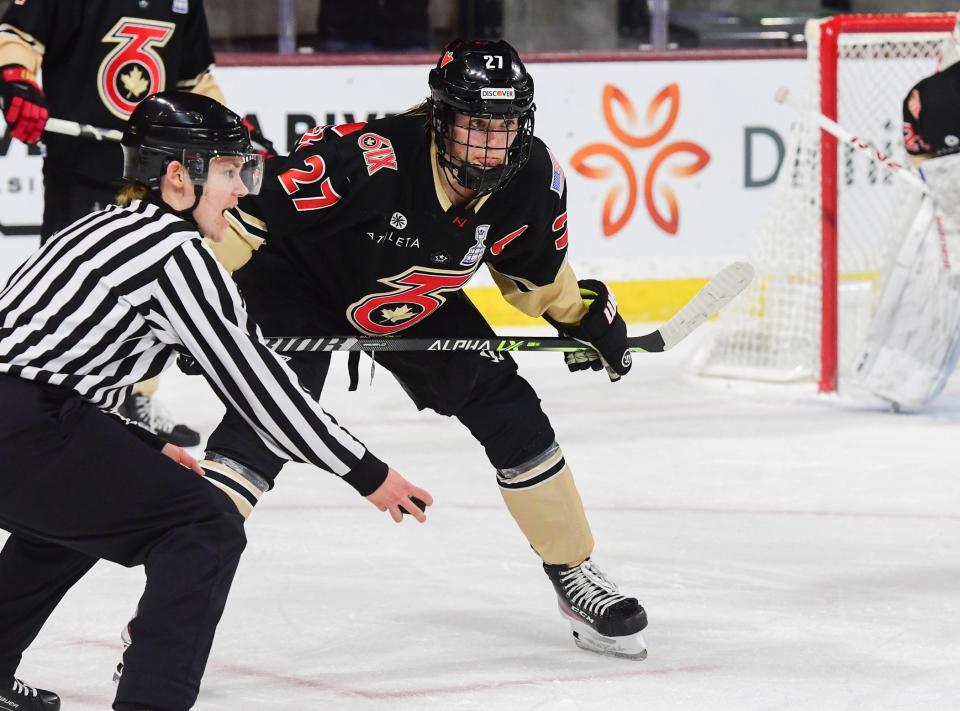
x=130, y=192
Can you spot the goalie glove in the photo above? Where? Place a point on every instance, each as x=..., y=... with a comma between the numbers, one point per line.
x=24, y=105
x=602, y=329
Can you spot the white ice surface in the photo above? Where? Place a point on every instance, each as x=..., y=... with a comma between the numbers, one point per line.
x=792, y=551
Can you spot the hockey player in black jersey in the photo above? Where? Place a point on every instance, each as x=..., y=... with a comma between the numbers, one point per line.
x=375, y=229
x=99, y=59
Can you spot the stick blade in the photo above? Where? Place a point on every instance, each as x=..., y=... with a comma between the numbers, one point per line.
x=716, y=293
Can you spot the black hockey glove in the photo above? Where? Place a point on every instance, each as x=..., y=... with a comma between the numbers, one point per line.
x=260, y=143
x=602, y=328
x=24, y=105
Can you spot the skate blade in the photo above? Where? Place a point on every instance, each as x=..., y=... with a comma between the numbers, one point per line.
x=630, y=646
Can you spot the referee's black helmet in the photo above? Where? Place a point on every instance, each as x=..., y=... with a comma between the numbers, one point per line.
x=186, y=127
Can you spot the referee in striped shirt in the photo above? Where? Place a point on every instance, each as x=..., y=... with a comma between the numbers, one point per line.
x=110, y=301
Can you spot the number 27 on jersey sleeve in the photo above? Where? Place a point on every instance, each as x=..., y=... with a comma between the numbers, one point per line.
x=293, y=179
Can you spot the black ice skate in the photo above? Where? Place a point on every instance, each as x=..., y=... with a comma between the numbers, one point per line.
x=127, y=639
x=21, y=697
x=602, y=619
x=142, y=409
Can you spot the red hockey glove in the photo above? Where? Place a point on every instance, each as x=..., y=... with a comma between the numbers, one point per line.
x=24, y=105
x=261, y=144
x=603, y=329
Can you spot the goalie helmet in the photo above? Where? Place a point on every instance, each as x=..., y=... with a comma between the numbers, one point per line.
x=189, y=128
x=486, y=80
x=931, y=114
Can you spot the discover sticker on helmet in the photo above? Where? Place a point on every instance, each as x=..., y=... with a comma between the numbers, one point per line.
x=189, y=128
x=483, y=80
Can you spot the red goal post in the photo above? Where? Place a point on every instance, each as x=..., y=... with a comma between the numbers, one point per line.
x=820, y=249
x=831, y=31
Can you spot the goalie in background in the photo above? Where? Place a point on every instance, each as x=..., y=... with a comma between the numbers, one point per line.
x=911, y=347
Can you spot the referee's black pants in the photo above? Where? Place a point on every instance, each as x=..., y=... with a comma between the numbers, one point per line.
x=76, y=486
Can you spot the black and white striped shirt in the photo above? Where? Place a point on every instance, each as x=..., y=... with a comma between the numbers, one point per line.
x=111, y=300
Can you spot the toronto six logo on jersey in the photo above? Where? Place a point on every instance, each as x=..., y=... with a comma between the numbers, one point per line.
x=377, y=152
x=584, y=161
x=413, y=295
x=133, y=69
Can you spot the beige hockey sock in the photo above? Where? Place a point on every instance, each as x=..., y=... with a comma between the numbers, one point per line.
x=543, y=499
x=147, y=388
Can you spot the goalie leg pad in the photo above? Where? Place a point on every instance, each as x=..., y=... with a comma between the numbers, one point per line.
x=243, y=485
x=543, y=499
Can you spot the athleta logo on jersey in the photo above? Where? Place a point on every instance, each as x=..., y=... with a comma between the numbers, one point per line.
x=394, y=239
x=132, y=70
x=399, y=222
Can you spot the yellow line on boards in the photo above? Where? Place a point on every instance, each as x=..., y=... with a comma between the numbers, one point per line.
x=648, y=300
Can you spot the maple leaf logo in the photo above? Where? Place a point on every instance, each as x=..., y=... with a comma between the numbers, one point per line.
x=135, y=82
x=401, y=313
x=616, y=101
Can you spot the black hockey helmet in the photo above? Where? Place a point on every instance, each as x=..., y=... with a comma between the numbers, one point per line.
x=486, y=80
x=189, y=128
x=930, y=125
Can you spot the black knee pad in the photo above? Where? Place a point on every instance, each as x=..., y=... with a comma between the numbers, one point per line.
x=506, y=418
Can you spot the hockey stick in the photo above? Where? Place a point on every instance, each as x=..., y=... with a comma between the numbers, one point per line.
x=72, y=128
x=715, y=294
x=840, y=133
x=85, y=130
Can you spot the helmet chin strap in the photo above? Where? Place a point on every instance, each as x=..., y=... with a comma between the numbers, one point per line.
x=187, y=212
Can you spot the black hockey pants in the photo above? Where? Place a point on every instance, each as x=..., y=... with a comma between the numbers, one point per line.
x=76, y=486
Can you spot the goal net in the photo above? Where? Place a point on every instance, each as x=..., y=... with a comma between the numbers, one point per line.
x=836, y=213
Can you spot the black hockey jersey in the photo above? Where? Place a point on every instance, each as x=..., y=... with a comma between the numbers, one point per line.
x=102, y=57
x=365, y=220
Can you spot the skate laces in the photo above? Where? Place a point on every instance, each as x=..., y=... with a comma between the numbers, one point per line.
x=24, y=689
x=587, y=587
x=152, y=415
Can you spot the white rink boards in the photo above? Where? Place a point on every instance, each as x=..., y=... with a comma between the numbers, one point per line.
x=793, y=552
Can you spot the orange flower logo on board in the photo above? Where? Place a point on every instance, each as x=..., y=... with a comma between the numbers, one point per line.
x=600, y=160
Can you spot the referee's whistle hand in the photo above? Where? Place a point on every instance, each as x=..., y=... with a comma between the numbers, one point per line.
x=399, y=496
x=182, y=457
